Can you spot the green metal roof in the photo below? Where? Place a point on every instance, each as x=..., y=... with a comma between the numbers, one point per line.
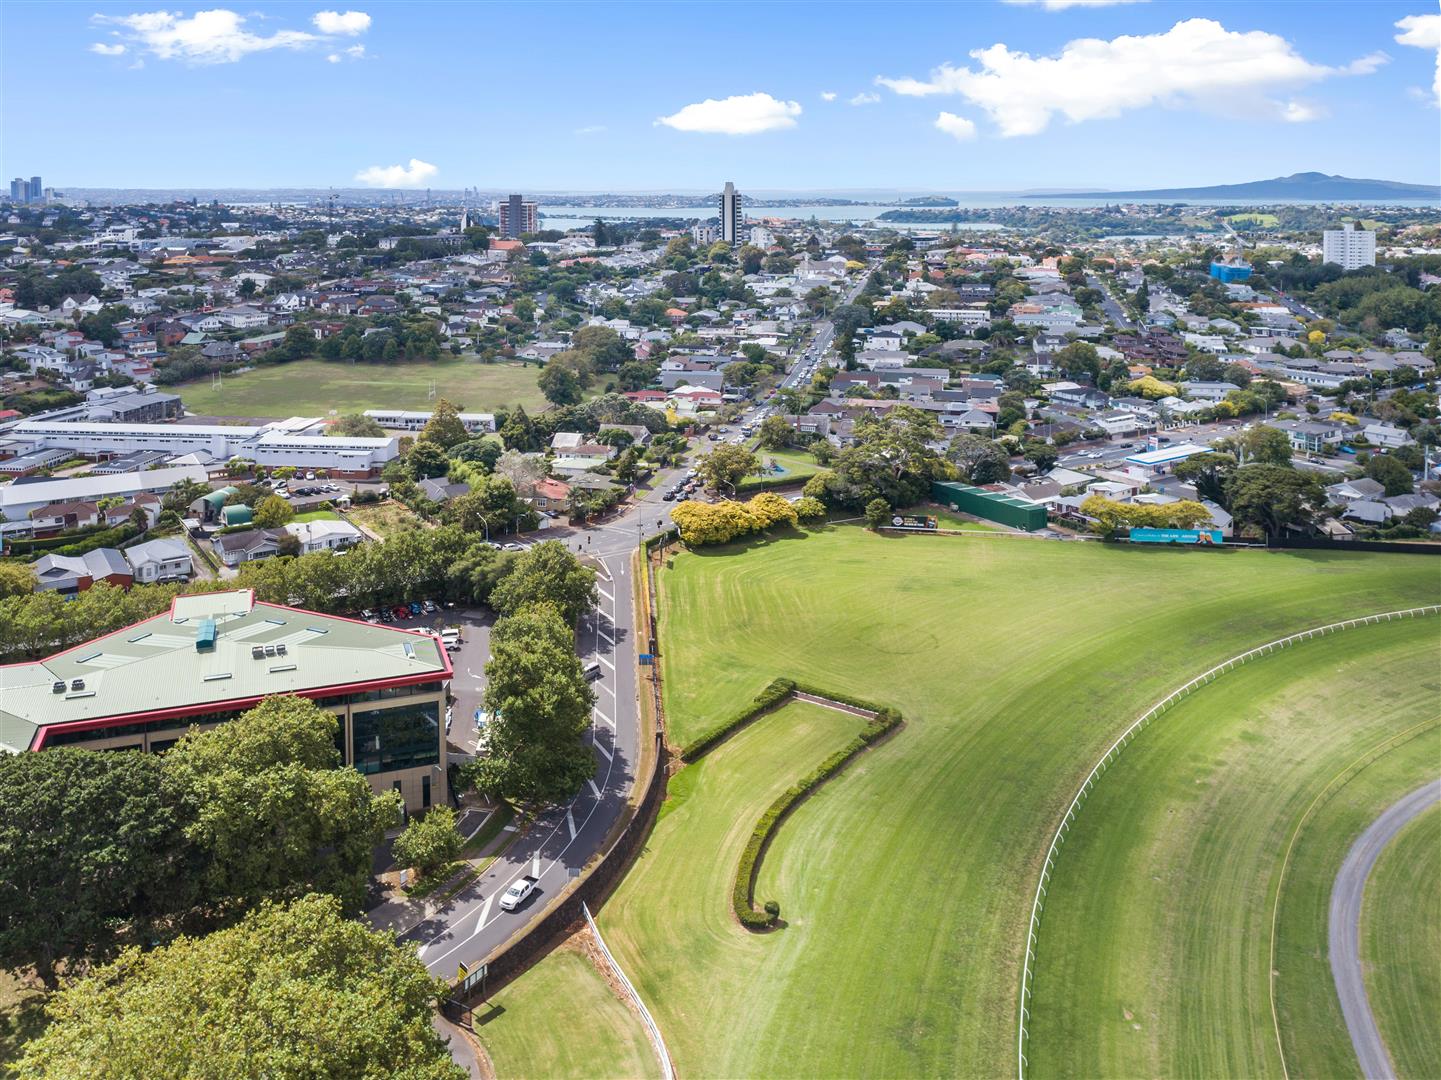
x=153, y=665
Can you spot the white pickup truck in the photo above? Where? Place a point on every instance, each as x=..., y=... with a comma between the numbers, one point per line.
x=514, y=896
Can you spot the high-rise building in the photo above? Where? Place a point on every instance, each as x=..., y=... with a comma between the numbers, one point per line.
x=1348, y=247
x=518, y=216
x=19, y=190
x=37, y=191
x=731, y=218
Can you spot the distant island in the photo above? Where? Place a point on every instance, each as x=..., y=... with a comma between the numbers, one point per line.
x=1306, y=185
x=931, y=200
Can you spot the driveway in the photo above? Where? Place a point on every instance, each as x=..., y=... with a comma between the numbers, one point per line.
x=1344, y=929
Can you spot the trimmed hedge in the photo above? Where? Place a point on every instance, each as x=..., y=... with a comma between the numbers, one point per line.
x=753, y=484
x=771, y=696
x=743, y=892
x=94, y=537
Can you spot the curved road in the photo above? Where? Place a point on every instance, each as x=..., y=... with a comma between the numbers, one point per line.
x=1344, y=929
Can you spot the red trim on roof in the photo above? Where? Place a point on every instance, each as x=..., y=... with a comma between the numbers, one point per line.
x=238, y=704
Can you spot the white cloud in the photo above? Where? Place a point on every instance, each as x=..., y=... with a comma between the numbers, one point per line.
x=345, y=23
x=1299, y=112
x=590, y=129
x=107, y=50
x=864, y=98
x=828, y=95
x=958, y=127
x=220, y=36
x=744, y=114
x=1062, y=5
x=397, y=176
x=1423, y=32
x=1197, y=63
x=354, y=52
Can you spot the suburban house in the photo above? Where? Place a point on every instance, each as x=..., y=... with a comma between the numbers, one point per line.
x=324, y=535
x=248, y=546
x=166, y=559
x=71, y=574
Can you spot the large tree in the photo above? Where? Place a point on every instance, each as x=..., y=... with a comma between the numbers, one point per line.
x=547, y=573
x=1273, y=498
x=1257, y=445
x=89, y=852
x=291, y=992
x=726, y=466
x=541, y=703
x=444, y=428
x=980, y=460
x=268, y=806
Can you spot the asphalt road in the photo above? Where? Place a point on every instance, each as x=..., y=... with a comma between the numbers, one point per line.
x=1113, y=310
x=558, y=845
x=1344, y=929
x=472, y=926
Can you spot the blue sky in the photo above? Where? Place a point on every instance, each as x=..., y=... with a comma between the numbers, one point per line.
x=675, y=96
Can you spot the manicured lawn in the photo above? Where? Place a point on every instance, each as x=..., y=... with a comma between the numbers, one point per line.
x=798, y=464
x=906, y=884
x=384, y=518
x=563, y=1020
x=318, y=515
x=1401, y=946
x=315, y=387
x=1015, y=663
x=1154, y=947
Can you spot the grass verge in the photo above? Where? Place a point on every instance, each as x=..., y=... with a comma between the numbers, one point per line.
x=1401, y=946
x=563, y=1020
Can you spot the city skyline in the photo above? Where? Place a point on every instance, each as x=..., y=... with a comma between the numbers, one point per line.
x=979, y=97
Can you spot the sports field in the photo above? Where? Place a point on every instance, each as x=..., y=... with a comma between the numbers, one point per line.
x=1155, y=942
x=1401, y=946
x=906, y=883
x=562, y=1020
x=315, y=387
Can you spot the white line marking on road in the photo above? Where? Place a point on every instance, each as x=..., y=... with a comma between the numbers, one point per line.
x=603, y=751
x=601, y=633
x=607, y=595
x=593, y=789
x=570, y=823
x=606, y=662
x=484, y=911
x=535, y=863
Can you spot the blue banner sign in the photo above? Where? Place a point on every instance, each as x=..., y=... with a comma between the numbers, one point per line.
x=1175, y=536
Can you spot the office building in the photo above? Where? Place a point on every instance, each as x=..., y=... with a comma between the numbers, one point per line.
x=19, y=190
x=731, y=218
x=518, y=216
x=1348, y=247
x=286, y=442
x=215, y=655
x=37, y=192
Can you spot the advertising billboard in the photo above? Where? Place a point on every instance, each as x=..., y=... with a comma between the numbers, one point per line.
x=1175, y=536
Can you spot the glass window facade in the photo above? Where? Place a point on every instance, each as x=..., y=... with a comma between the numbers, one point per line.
x=403, y=737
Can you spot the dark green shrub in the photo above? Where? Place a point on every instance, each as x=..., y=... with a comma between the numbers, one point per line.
x=773, y=910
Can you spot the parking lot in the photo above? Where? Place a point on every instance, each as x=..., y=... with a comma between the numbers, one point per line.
x=468, y=659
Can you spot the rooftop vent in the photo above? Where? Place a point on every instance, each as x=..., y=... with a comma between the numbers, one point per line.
x=58, y=686
x=77, y=684
x=205, y=636
x=270, y=650
x=280, y=649
x=257, y=652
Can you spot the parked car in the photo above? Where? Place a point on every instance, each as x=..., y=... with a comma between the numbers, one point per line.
x=386, y=616
x=415, y=608
x=429, y=607
x=592, y=671
x=514, y=547
x=401, y=611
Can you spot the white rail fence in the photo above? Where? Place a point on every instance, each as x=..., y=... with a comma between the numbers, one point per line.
x=650, y=1025
x=1114, y=750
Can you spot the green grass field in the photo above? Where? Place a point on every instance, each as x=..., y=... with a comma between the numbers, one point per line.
x=906, y=883
x=1254, y=219
x=562, y=1020
x=315, y=387
x=1154, y=947
x=1401, y=946
x=798, y=464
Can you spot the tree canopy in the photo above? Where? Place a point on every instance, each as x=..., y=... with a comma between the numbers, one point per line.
x=296, y=991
